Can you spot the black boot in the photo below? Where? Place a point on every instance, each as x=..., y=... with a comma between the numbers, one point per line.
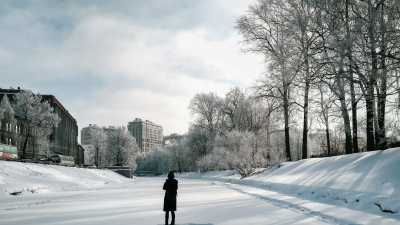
x=173, y=222
x=166, y=222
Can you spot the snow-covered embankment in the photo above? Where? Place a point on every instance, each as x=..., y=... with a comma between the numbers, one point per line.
x=368, y=181
x=26, y=178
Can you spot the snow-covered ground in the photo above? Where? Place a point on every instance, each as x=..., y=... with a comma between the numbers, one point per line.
x=355, y=189
x=363, y=187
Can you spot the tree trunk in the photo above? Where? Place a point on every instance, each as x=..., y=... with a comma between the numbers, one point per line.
x=370, y=119
x=33, y=148
x=345, y=112
x=305, y=119
x=326, y=119
x=381, y=138
x=354, y=122
x=354, y=112
x=328, y=141
x=286, y=115
x=24, y=148
x=351, y=73
x=370, y=99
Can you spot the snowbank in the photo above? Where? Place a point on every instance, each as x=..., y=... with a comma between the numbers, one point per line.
x=26, y=178
x=365, y=181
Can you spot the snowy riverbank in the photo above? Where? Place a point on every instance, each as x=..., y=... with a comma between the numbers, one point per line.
x=367, y=182
x=360, y=188
x=26, y=178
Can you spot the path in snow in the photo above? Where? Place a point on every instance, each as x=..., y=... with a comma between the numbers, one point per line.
x=199, y=203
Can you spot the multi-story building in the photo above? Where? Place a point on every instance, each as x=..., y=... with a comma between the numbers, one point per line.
x=147, y=133
x=65, y=136
x=86, y=132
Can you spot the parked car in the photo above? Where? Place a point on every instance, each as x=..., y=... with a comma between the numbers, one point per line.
x=63, y=160
x=90, y=166
x=43, y=158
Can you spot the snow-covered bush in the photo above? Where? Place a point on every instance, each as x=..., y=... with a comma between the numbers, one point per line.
x=216, y=160
x=45, y=146
x=243, y=152
x=155, y=160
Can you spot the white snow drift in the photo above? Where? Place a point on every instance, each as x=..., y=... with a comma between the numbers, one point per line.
x=25, y=178
x=368, y=181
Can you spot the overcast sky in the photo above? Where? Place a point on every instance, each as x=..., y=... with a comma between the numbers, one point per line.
x=109, y=62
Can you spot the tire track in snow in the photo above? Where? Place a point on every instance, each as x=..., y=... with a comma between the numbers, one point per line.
x=295, y=208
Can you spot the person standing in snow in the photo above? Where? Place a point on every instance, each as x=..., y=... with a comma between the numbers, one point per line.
x=171, y=188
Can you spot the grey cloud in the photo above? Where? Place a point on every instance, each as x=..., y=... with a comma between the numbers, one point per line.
x=167, y=14
x=41, y=48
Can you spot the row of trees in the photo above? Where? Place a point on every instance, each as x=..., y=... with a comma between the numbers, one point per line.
x=113, y=147
x=331, y=77
x=343, y=53
x=29, y=118
x=237, y=132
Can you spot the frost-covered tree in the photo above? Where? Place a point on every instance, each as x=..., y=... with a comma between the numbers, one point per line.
x=178, y=154
x=264, y=29
x=33, y=113
x=199, y=141
x=89, y=154
x=156, y=160
x=98, y=139
x=216, y=160
x=6, y=114
x=243, y=152
x=122, y=147
x=205, y=108
x=45, y=146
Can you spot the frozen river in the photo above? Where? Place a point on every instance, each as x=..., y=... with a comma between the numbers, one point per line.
x=199, y=202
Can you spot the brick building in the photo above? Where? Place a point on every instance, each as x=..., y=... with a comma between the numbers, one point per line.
x=65, y=136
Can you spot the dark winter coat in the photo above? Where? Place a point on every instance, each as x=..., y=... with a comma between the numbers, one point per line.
x=171, y=188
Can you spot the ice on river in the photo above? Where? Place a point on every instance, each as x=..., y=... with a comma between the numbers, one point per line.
x=140, y=202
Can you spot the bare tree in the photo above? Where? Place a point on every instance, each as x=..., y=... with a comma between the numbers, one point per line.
x=178, y=152
x=205, y=108
x=264, y=31
x=324, y=107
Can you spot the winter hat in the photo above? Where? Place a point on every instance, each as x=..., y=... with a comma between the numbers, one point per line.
x=170, y=175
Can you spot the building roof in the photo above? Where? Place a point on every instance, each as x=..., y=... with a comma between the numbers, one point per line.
x=147, y=122
x=52, y=98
